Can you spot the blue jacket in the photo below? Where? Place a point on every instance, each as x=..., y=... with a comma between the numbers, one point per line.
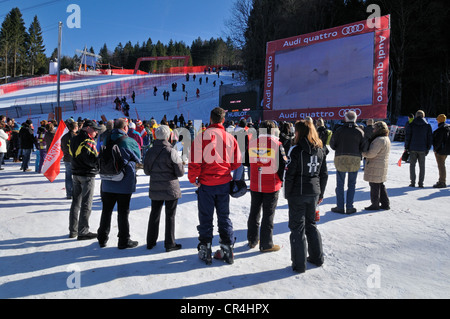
x=131, y=155
x=419, y=136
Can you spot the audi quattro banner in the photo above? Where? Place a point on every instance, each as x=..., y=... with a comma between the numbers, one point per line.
x=326, y=73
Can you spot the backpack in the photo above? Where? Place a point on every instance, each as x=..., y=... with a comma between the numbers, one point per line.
x=110, y=161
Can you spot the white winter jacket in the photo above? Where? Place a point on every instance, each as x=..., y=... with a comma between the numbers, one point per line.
x=3, y=138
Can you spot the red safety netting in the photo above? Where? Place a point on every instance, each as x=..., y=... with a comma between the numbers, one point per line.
x=121, y=72
x=31, y=82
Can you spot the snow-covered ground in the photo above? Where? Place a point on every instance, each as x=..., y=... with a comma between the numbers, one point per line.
x=400, y=253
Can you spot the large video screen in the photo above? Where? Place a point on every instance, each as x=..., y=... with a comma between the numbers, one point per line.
x=240, y=101
x=325, y=74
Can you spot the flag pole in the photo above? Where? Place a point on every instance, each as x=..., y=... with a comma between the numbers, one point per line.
x=59, y=67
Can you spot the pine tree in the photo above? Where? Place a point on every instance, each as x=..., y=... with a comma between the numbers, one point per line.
x=36, y=46
x=18, y=37
x=5, y=44
x=104, y=53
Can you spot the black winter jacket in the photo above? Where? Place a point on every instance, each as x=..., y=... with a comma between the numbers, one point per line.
x=440, y=138
x=26, y=136
x=306, y=171
x=65, y=140
x=419, y=136
x=83, y=150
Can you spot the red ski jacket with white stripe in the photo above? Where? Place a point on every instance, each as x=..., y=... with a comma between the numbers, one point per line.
x=267, y=162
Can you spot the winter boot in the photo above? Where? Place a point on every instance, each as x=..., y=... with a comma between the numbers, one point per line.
x=204, y=252
x=225, y=253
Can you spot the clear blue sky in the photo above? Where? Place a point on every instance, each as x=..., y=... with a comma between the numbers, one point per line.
x=117, y=21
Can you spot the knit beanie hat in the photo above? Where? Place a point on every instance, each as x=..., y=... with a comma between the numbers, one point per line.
x=441, y=118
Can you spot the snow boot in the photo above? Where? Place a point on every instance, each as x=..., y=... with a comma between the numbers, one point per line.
x=225, y=253
x=205, y=252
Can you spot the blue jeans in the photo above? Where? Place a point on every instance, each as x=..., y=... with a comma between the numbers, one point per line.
x=69, y=182
x=42, y=155
x=26, y=154
x=351, y=185
x=218, y=197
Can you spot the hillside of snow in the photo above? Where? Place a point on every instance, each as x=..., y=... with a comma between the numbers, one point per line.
x=400, y=253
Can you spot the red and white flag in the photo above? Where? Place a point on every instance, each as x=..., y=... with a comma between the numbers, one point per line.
x=52, y=162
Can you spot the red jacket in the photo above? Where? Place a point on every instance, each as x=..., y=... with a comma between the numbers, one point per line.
x=214, y=154
x=267, y=163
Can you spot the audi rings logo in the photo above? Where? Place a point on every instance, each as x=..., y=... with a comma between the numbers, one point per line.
x=342, y=112
x=353, y=29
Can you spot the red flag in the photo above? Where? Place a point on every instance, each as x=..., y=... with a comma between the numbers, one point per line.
x=52, y=162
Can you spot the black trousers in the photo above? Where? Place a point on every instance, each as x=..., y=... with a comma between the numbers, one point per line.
x=109, y=200
x=268, y=203
x=378, y=194
x=153, y=222
x=302, y=212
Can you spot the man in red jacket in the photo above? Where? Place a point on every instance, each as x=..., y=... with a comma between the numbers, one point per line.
x=214, y=155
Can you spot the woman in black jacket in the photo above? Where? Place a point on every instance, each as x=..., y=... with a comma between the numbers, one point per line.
x=164, y=166
x=305, y=181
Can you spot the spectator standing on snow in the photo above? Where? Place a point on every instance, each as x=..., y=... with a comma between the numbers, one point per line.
x=214, y=155
x=83, y=150
x=441, y=146
x=286, y=135
x=377, y=163
x=67, y=158
x=368, y=130
x=305, y=182
x=181, y=119
x=243, y=137
x=120, y=192
x=418, y=142
x=164, y=167
x=49, y=135
x=3, y=139
x=267, y=162
x=27, y=140
x=135, y=135
x=324, y=134
x=40, y=145
x=348, y=143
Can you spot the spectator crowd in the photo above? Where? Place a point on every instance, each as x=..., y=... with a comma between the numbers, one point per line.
x=216, y=156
